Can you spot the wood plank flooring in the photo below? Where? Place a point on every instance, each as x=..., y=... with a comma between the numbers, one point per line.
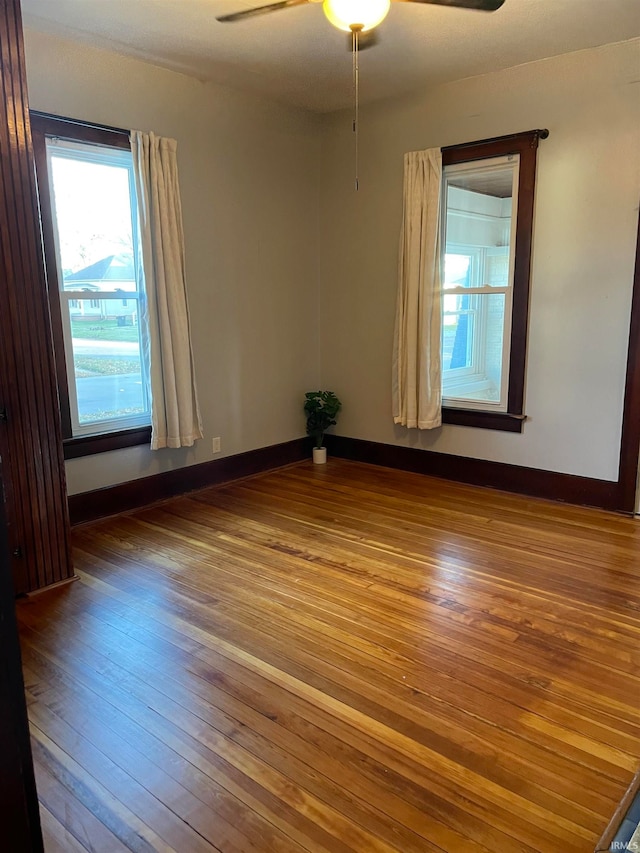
x=338, y=658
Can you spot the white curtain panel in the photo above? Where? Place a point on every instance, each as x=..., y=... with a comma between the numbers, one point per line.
x=417, y=371
x=175, y=416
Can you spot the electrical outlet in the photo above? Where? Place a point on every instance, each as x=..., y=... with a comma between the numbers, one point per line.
x=215, y=445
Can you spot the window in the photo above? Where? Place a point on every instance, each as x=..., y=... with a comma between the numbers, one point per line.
x=87, y=192
x=477, y=281
x=487, y=215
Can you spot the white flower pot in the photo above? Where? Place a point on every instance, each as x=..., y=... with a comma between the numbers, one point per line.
x=320, y=455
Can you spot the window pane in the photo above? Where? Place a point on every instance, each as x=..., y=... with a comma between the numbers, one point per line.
x=93, y=218
x=496, y=267
x=479, y=213
x=458, y=270
x=457, y=340
x=492, y=308
x=107, y=364
x=472, y=347
x=477, y=238
x=94, y=213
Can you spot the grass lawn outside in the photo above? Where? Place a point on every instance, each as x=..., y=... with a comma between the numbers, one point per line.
x=92, y=417
x=86, y=365
x=103, y=330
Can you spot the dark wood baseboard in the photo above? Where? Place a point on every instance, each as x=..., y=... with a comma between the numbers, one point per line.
x=44, y=589
x=569, y=488
x=584, y=491
x=88, y=506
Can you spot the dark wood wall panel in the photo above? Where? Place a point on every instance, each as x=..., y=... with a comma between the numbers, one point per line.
x=30, y=437
x=19, y=814
x=630, y=441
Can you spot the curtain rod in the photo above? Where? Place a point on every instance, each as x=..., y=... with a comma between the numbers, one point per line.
x=80, y=123
x=540, y=133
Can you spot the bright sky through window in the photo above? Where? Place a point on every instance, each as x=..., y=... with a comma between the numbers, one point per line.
x=92, y=210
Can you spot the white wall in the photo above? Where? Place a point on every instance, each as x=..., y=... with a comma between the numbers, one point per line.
x=249, y=180
x=584, y=243
x=252, y=193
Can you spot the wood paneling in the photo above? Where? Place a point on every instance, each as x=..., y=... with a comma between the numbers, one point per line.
x=19, y=816
x=339, y=658
x=630, y=440
x=30, y=437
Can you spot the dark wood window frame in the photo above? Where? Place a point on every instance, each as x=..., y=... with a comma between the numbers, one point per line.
x=44, y=125
x=526, y=145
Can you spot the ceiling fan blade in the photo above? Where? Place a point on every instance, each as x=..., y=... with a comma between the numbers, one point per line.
x=260, y=10
x=368, y=39
x=481, y=5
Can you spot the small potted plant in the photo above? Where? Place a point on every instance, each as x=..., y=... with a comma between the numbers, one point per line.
x=321, y=408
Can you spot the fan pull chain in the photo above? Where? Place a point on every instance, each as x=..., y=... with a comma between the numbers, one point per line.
x=355, y=45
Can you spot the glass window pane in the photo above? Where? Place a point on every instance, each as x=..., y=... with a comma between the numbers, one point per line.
x=478, y=228
x=457, y=340
x=457, y=270
x=493, y=308
x=93, y=206
x=479, y=213
x=107, y=363
x=472, y=349
x=94, y=224
x=496, y=267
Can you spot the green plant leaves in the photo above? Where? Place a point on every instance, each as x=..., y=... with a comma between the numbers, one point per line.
x=321, y=408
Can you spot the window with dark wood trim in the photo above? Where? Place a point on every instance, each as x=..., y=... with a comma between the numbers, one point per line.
x=44, y=128
x=511, y=416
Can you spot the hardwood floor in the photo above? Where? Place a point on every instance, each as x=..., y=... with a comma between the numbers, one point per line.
x=338, y=658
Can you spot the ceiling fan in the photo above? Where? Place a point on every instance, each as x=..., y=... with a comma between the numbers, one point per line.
x=357, y=15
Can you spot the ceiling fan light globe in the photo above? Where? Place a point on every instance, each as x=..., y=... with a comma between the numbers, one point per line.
x=366, y=14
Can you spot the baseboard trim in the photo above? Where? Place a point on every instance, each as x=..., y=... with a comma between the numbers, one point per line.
x=111, y=500
x=34, y=593
x=569, y=488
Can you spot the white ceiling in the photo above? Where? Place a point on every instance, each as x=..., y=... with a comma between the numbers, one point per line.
x=296, y=56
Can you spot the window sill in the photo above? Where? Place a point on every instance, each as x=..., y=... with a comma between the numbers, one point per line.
x=87, y=445
x=483, y=420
